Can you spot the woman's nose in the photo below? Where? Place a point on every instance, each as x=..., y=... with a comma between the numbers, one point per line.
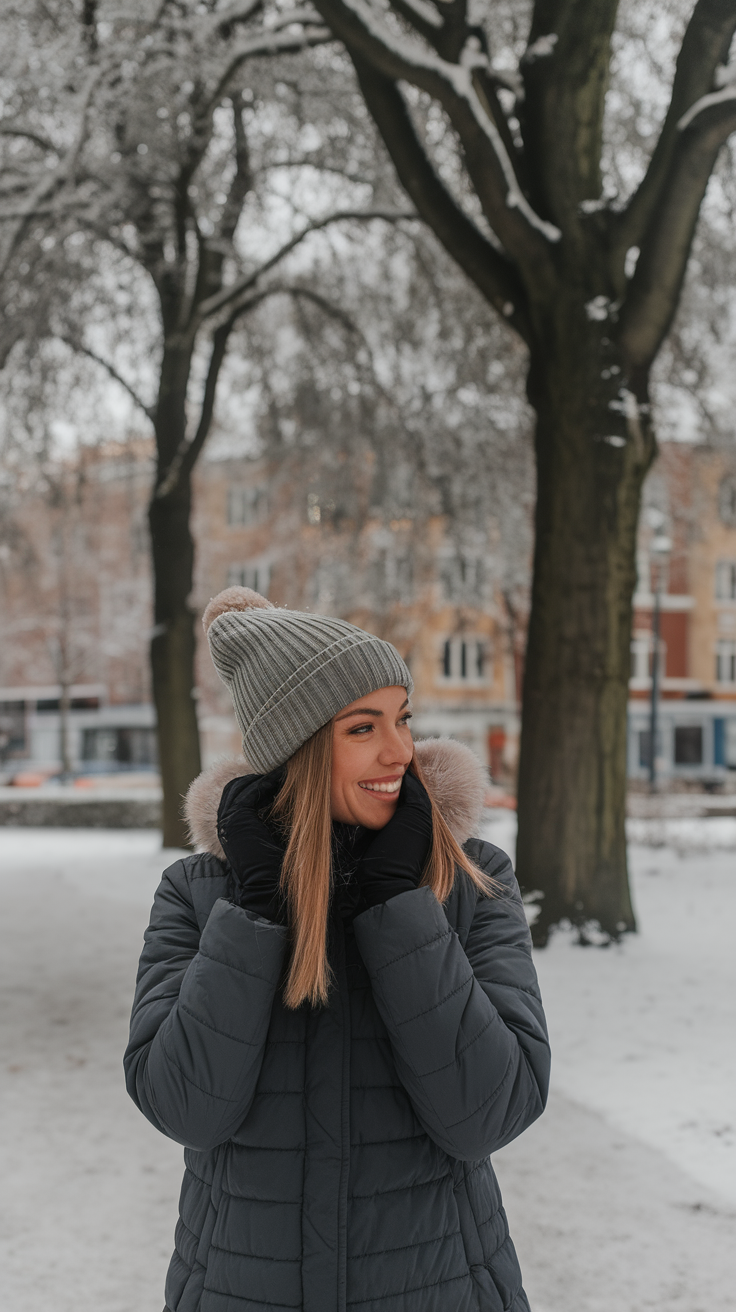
x=396, y=750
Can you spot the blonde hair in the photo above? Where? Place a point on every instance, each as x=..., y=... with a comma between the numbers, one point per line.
x=302, y=808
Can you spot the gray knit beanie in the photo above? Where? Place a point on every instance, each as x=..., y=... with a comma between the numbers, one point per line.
x=289, y=672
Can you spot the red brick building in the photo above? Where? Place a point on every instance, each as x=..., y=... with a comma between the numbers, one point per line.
x=690, y=500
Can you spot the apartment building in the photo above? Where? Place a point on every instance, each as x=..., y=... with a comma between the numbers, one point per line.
x=690, y=504
x=76, y=606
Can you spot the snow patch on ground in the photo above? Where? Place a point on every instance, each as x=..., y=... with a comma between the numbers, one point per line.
x=644, y=1032
x=621, y=1198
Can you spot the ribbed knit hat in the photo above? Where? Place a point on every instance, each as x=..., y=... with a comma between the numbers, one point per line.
x=289, y=672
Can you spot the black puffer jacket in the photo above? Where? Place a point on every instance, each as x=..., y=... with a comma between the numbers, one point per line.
x=338, y=1158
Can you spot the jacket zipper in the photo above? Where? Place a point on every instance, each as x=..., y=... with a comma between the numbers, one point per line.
x=342, y=1202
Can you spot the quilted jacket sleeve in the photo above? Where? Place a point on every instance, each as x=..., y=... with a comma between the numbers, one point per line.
x=466, y=1023
x=200, y=1015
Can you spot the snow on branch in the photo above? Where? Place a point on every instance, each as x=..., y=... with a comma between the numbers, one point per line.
x=542, y=48
x=424, y=13
x=416, y=64
x=461, y=76
x=725, y=80
x=290, y=17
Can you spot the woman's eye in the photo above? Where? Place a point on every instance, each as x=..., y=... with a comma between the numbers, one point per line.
x=406, y=718
x=362, y=728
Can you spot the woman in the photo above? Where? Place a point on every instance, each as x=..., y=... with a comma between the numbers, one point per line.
x=336, y=1010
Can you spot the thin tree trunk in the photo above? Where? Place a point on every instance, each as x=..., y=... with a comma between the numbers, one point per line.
x=172, y=657
x=173, y=640
x=64, y=704
x=591, y=462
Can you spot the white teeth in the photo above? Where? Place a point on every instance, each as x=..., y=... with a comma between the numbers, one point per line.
x=382, y=788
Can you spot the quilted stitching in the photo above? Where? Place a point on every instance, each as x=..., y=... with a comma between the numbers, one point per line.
x=442, y=1068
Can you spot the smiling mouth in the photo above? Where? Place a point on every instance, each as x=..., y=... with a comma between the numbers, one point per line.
x=390, y=788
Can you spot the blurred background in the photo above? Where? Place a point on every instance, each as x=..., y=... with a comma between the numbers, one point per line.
x=424, y=318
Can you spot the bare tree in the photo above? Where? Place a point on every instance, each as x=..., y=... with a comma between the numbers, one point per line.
x=164, y=180
x=591, y=282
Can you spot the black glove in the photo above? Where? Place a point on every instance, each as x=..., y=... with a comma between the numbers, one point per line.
x=253, y=848
x=396, y=855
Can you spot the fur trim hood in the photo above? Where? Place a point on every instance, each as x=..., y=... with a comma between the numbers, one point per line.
x=453, y=774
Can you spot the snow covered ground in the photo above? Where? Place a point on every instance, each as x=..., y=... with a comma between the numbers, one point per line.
x=622, y=1198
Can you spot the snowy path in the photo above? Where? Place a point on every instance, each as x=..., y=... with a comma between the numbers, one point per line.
x=621, y=1198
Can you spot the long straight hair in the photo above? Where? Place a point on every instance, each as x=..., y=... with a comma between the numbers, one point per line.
x=302, y=808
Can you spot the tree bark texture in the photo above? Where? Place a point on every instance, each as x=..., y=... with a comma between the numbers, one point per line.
x=571, y=851
x=172, y=656
x=173, y=640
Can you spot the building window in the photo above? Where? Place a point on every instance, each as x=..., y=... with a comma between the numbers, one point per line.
x=465, y=660
x=726, y=580
x=256, y=576
x=724, y=742
x=12, y=729
x=246, y=505
x=392, y=576
x=130, y=746
x=688, y=744
x=729, y=744
x=726, y=662
x=645, y=747
x=462, y=577
x=727, y=501
x=641, y=658
x=640, y=648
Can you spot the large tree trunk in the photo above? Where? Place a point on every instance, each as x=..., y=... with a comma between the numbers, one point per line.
x=593, y=448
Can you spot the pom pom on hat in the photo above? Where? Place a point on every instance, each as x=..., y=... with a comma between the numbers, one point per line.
x=235, y=598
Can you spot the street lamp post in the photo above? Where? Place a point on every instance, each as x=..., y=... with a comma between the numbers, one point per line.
x=659, y=550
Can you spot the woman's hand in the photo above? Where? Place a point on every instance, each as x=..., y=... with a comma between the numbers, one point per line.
x=253, y=849
x=395, y=858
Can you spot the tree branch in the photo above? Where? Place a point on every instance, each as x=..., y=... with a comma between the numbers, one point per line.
x=490, y=270
x=270, y=42
x=368, y=39
x=80, y=349
x=224, y=19
x=188, y=452
x=705, y=45
x=228, y=294
x=423, y=17
x=654, y=291
x=35, y=137
x=56, y=178
x=565, y=71
x=242, y=178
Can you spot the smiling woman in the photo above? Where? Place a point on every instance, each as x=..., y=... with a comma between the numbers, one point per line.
x=336, y=1010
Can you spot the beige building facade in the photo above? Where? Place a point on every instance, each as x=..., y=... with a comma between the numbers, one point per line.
x=76, y=606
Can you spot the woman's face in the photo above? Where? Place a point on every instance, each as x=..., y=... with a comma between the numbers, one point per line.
x=371, y=749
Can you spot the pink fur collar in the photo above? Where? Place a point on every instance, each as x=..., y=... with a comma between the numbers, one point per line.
x=453, y=774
